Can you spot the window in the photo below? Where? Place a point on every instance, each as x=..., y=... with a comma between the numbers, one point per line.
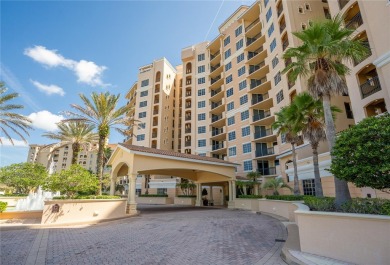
x=229, y=92
x=228, y=66
x=248, y=165
x=202, y=143
x=232, y=151
x=303, y=26
x=201, y=69
x=201, y=154
x=239, y=44
x=201, y=92
x=140, y=137
x=231, y=121
x=246, y=148
x=241, y=71
x=300, y=10
x=243, y=99
x=201, y=80
x=142, y=125
x=245, y=115
x=145, y=82
x=273, y=45
x=307, y=6
x=201, y=129
x=283, y=138
x=142, y=115
x=277, y=78
x=232, y=135
x=266, y=3
x=275, y=62
x=201, y=104
x=201, y=116
x=143, y=104
x=271, y=29
x=279, y=96
x=269, y=14
x=242, y=85
x=162, y=191
x=228, y=53
x=240, y=57
x=226, y=41
x=230, y=106
x=309, y=187
x=238, y=30
x=201, y=57
x=229, y=79
x=348, y=110
x=144, y=93
x=245, y=131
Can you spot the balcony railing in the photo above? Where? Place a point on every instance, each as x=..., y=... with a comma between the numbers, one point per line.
x=188, y=117
x=282, y=27
x=253, y=54
x=215, y=132
x=251, y=25
x=267, y=171
x=285, y=44
x=343, y=3
x=212, y=56
x=188, y=82
x=280, y=10
x=215, y=118
x=257, y=82
x=269, y=151
x=370, y=87
x=188, y=93
x=254, y=68
x=287, y=62
x=215, y=91
x=262, y=134
x=213, y=68
x=188, y=130
x=262, y=115
x=216, y=104
x=355, y=22
x=157, y=90
x=291, y=84
x=217, y=146
x=188, y=105
x=367, y=45
x=259, y=98
x=154, y=135
x=154, y=145
x=155, y=111
x=249, y=41
x=187, y=143
x=155, y=123
x=215, y=79
x=156, y=101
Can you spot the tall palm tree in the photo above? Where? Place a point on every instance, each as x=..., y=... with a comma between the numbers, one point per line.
x=77, y=134
x=309, y=114
x=103, y=113
x=10, y=121
x=325, y=47
x=289, y=129
x=253, y=175
x=275, y=185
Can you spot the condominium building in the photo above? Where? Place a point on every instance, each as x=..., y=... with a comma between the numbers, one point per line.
x=221, y=102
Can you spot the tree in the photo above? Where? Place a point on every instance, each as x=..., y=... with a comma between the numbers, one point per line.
x=309, y=115
x=275, y=185
x=72, y=181
x=187, y=187
x=362, y=153
x=101, y=112
x=325, y=46
x=23, y=177
x=10, y=121
x=289, y=129
x=79, y=135
x=253, y=176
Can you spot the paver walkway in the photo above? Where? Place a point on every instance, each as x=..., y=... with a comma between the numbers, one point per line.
x=160, y=235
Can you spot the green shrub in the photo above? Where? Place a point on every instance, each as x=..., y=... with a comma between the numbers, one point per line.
x=325, y=204
x=367, y=206
x=14, y=195
x=87, y=197
x=186, y=196
x=285, y=197
x=3, y=206
x=250, y=196
x=153, y=195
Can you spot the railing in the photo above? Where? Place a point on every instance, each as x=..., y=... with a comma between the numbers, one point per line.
x=251, y=25
x=291, y=84
x=280, y=10
x=188, y=118
x=254, y=68
x=215, y=118
x=370, y=87
x=188, y=130
x=267, y=171
x=213, y=68
x=156, y=101
x=215, y=79
x=253, y=54
x=282, y=27
x=154, y=135
x=188, y=82
x=260, y=153
x=287, y=62
x=215, y=91
x=187, y=143
x=343, y=3
x=217, y=146
x=262, y=134
x=367, y=45
x=154, y=145
x=157, y=90
x=257, y=82
x=188, y=93
x=216, y=104
x=188, y=105
x=155, y=123
x=249, y=41
x=285, y=44
x=188, y=71
x=155, y=111
x=260, y=116
x=259, y=98
x=212, y=56
x=355, y=22
x=215, y=132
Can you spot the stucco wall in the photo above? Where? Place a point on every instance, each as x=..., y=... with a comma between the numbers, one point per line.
x=247, y=204
x=184, y=201
x=281, y=208
x=154, y=200
x=11, y=200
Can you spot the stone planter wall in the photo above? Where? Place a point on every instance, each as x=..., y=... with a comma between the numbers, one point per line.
x=247, y=204
x=281, y=208
x=184, y=201
x=154, y=200
x=11, y=200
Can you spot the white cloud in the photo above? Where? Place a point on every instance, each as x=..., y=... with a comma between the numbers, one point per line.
x=7, y=142
x=45, y=120
x=86, y=71
x=48, y=89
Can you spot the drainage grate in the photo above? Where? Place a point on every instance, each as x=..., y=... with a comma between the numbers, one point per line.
x=280, y=240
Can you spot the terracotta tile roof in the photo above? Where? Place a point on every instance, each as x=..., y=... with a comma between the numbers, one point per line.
x=174, y=154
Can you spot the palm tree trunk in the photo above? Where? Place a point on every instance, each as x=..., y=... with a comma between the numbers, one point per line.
x=102, y=141
x=296, y=180
x=341, y=186
x=75, y=152
x=317, y=177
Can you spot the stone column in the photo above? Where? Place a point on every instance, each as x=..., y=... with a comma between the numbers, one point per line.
x=230, y=191
x=112, y=184
x=198, y=194
x=256, y=189
x=234, y=189
x=211, y=195
x=244, y=188
x=131, y=203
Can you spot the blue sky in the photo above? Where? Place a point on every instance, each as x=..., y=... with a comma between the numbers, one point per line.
x=51, y=51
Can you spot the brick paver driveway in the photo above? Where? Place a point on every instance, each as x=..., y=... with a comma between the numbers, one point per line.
x=160, y=235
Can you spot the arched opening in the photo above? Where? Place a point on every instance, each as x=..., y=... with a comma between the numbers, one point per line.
x=376, y=107
x=158, y=76
x=188, y=68
x=368, y=81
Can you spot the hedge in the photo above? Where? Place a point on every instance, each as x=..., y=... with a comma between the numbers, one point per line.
x=153, y=195
x=14, y=195
x=285, y=197
x=250, y=196
x=87, y=197
x=3, y=206
x=186, y=196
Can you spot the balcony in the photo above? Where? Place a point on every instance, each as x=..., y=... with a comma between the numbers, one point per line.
x=251, y=25
x=188, y=130
x=343, y=3
x=261, y=115
x=212, y=56
x=188, y=93
x=188, y=105
x=187, y=143
x=154, y=135
x=282, y=27
x=259, y=98
x=155, y=111
x=249, y=41
x=254, y=68
x=156, y=101
x=216, y=104
x=370, y=87
x=285, y=44
x=215, y=118
x=287, y=62
x=215, y=91
x=188, y=81
x=213, y=80
x=369, y=53
x=261, y=153
x=188, y=117
x=253, y=54
x=280, y=9
x=267, y=171
x=157, y=90
x=263, y=133
x=213, y=68
x=257, y=82
x=216, y=131
x=154, y=146
x=355, y=22
x=155, y=122
x=217, y=146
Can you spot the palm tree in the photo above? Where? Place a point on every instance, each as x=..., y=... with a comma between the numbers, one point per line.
x=309, y=114
x=101, y=112
x=325, y=46
x=77, y=134
x=253, y=175
x=9, y=120
x=275, y=185
x=290, y=130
